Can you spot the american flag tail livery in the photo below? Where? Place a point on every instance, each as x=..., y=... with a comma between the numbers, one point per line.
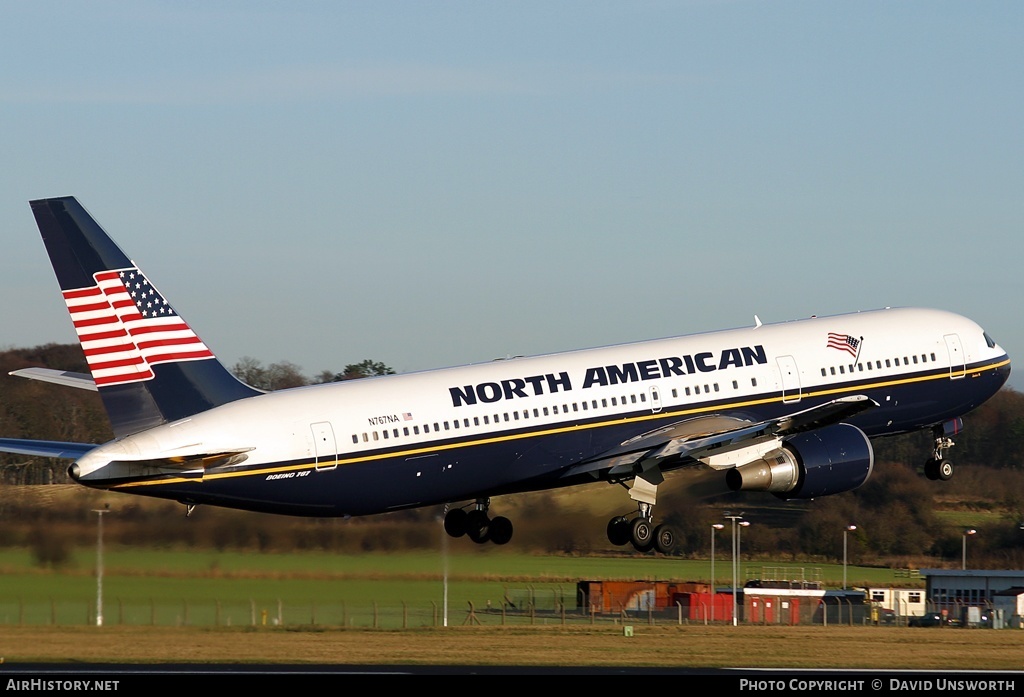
x=148, y=366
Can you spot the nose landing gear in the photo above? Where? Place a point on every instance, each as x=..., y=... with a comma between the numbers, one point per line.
x=937, y=467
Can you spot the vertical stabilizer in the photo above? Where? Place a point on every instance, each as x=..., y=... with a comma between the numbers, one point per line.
x=148, y=365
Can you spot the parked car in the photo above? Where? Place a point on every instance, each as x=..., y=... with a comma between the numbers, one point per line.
x=886, y=616
x=928, y=619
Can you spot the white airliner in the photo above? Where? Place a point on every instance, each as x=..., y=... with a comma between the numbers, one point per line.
x=784, y=408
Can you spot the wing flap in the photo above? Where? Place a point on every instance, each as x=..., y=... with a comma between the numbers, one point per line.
x=705, y=437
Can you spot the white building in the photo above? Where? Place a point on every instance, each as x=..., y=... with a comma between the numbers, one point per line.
x=905, y=602
x=1009, y=606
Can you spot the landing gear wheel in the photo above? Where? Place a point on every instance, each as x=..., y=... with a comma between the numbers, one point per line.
x=618, y=531
x=500, y=530
x=455, y=522
x=642, y=534
x=478, y=526
x=931, y=468
x=665, y=539
x=945, y=470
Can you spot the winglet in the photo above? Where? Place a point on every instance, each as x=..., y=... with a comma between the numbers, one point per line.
x=146, y=362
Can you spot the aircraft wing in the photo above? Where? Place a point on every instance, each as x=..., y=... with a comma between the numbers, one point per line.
x=708, y=438
x=45, y=448
x=67, y=378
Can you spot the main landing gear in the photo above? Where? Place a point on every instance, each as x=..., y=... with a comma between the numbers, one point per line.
x=477, y=525
x=641, y=531
x=937, y=467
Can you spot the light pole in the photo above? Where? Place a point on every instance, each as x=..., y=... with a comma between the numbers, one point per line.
x=846, y=533
x=99, y=563
x=968, y=531
x=444, y=563
x=742, y=524
x=735, y=559
x=714, y=528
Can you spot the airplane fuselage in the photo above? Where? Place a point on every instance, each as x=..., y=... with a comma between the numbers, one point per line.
x=385, y=443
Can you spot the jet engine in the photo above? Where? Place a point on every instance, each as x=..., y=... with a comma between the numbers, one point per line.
x=824, y=461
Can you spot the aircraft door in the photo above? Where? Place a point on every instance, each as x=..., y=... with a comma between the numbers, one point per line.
x=324, y=445
x=790, y=379
x=957, y=362
x=655, y=399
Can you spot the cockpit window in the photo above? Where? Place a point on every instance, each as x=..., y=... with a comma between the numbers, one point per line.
x=988, y=340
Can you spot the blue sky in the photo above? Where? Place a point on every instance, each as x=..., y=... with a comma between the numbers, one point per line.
x=435, y=183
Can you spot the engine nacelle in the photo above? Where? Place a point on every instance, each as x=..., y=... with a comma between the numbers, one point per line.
x=825, y=461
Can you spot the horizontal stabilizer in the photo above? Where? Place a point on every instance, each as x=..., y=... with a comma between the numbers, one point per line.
x=45, y=448
x=188, y=466
x=82, y=381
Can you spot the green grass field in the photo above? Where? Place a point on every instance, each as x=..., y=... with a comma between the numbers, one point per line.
x=210, y=607
x=210, y=588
